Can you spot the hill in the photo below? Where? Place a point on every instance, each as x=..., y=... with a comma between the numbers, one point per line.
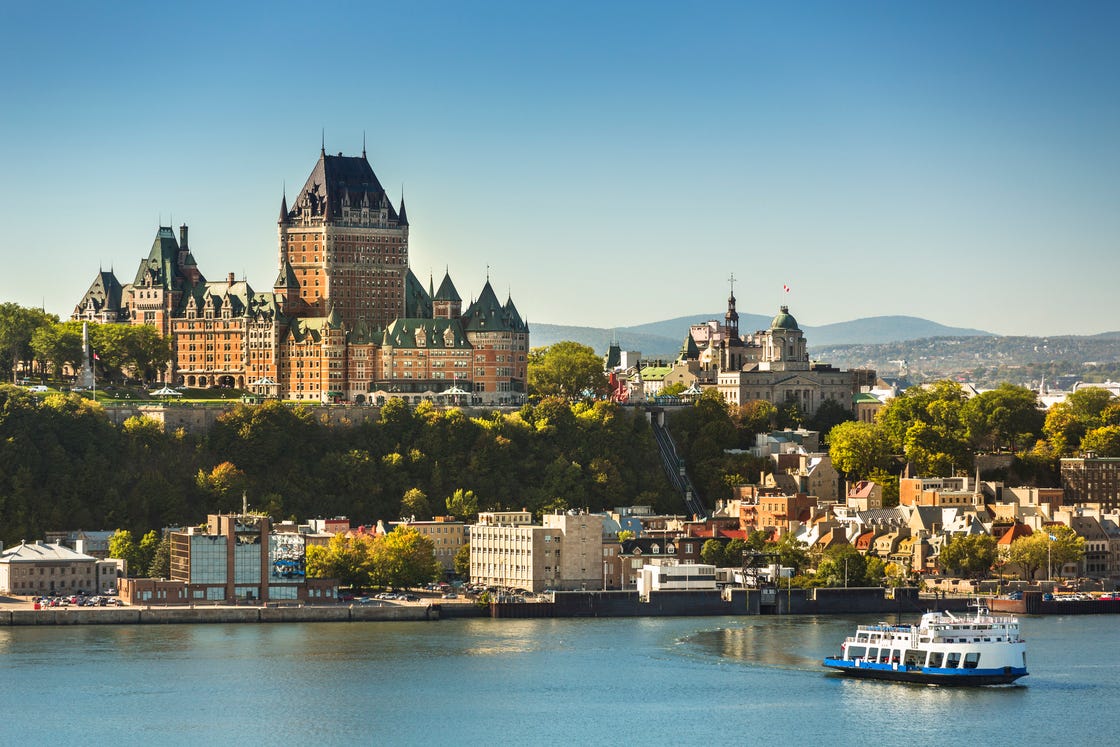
x=663, y=339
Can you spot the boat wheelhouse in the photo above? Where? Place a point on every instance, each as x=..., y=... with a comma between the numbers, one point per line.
x=943, y=649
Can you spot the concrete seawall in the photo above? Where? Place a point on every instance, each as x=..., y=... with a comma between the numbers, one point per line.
x=195, y=615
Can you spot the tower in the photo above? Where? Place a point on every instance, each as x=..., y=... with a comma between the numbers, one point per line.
x=344, y=245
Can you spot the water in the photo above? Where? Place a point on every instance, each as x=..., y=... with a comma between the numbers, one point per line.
x=741, y=680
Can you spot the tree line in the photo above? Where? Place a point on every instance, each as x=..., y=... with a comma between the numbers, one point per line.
x=64, y=465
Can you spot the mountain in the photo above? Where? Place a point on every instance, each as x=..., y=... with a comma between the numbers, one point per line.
x=663, y=339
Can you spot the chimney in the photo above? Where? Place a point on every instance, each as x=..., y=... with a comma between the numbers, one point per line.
x=230, y=276
x=183, y=237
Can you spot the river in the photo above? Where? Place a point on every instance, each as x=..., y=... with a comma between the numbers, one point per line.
x=737, y=680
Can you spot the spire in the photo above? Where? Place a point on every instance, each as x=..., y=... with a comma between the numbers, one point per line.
x=323, y=142
x=364, y=144
x=402, y=217
x=284, y=206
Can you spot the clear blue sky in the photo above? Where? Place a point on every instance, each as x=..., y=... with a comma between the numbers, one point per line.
x=612, y=163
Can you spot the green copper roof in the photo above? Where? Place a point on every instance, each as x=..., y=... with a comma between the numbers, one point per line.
x=784, y=320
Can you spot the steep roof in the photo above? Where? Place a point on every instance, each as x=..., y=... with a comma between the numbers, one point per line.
x=446, y=290
x=425, y=333
x=515, y=321
x=340, y=178
x=417, y=301
x=161, y=268
x=105, y=293
x=487, y=313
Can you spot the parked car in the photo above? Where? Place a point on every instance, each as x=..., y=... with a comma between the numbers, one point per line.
x=38, y=388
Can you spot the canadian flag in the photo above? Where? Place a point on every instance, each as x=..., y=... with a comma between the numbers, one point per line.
x=96, y=357
x=785, y=288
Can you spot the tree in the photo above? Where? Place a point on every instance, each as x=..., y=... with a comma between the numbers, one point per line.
x=161, y=560
x=462, y=561
x=1029, y=553
x=752, y=417
x=1103, y=441
x=226, y=483
x=792, y=553
x=344, y=558
x=924, y=424
x=146, y=550
x=462, y=504
x=404, y=558
x=968, y=555
x=415, y=504
x=733, y=553
x=858, y=449
x=712, y=553
x=59, y=345
x=1007, y=416
x=17, y=327
x=1068, y=422
x=122, y=546
x=625, y=535
x=829, y=414
x=566, y=369
x=841, y=565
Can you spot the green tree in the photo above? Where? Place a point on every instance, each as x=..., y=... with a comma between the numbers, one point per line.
x=1103, y=441
x=792, y=553
x=146, y=550
x=415, y=504
x=344, y=558
x=968, y=555
x=733, y=553
x=1068, y=422
x=566, y=369
x=462, y=504
x=753, y=417
x=625, y=535
x=841, y=565
x=123, y=546
x=712, y=553
x=58, y=345
x=462, y=562
x=858, y=449
x=161, y=560
x=924, y=424
x=830, y=414
x=17, y=327
x=404, y=558
x=1005, y=417
x=1029, y=553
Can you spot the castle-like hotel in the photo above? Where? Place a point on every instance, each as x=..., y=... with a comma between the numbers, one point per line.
x=346, y=318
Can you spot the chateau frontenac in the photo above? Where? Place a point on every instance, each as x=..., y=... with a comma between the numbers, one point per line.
x=346, y=318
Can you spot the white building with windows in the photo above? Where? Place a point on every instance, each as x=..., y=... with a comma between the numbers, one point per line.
x=564, y=552
x=677, y=577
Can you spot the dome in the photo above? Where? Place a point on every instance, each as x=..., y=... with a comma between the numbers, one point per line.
x=784, y=320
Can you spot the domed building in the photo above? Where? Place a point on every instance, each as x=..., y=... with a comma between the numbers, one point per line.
x=770, y=364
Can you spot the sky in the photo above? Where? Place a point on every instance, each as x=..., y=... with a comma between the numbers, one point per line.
x=605, y=164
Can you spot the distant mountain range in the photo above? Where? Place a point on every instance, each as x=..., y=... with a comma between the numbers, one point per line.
x=663, y=339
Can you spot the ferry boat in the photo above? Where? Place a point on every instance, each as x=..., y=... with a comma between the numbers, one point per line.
x=943, y=649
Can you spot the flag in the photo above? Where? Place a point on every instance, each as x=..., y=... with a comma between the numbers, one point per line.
x=1053, y=538
x=96, y=357
x=785, y=288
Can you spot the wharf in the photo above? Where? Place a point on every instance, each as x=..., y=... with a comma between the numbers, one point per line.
x=218, y=614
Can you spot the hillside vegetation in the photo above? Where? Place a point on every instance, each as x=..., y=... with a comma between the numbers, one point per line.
x=64, y=465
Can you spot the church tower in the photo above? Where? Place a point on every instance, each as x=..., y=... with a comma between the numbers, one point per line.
x=344, y=246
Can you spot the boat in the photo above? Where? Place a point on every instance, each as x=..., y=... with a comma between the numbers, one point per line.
x=943, y=649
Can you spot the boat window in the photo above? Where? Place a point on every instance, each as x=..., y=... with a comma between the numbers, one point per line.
x=971, y=660
x=856, y=652
x=953, y=660
x=935, y=658
x=913, y=657
x=884, y=655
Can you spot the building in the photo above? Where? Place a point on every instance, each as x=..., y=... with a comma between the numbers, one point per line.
x=771, y=365
x=1092, y=480
x=676, y=577
x=564, y=552
x=447, y=535
x=939, y=491
x=345, y=319
x=95, y=543
x=44, y=569
x=238, y=558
